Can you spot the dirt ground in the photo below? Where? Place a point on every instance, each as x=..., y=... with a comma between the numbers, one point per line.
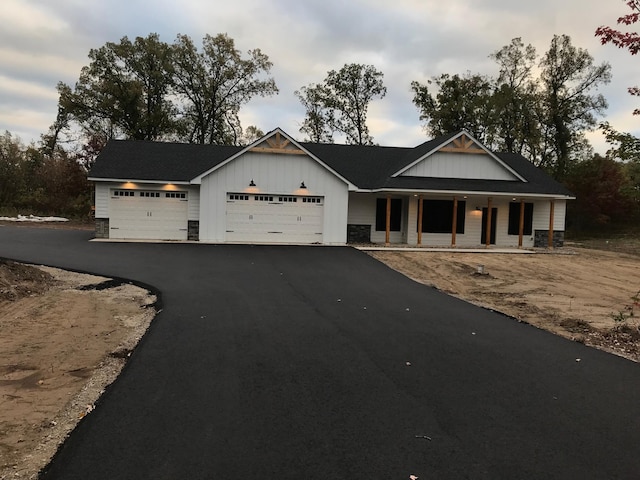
x=581, y=294
x=63, y=338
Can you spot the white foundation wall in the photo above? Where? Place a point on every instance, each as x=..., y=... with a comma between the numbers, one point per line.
x=278, y=174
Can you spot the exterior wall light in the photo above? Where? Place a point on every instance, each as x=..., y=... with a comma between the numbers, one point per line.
x=302, y=185
x=252, y=183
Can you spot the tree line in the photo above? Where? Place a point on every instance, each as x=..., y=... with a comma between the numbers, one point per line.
x=146, y=89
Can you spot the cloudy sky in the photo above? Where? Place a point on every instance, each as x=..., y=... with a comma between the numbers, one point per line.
x=46, y=41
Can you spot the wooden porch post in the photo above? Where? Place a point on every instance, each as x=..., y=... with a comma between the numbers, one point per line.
x=388, y=222
x=550, y=239
x=487, y=236
x=521, y=225
x=420, y=220
x=454, y=221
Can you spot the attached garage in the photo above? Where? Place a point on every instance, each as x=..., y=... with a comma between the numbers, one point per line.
x=140, y=214
x=274, y=218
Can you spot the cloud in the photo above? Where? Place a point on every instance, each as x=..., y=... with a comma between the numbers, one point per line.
x=44, y=42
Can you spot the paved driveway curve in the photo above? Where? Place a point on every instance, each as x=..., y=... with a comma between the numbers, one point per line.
x=291, y=362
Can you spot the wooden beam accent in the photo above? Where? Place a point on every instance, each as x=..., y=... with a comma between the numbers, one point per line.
x=462, y=144
x=551, y=208
x=487, y=236
x=462, y=150
x=420, y=211
x=454, y=222
x=387, y=233
x=521, y=225
x=278, y=142
x=288, y=151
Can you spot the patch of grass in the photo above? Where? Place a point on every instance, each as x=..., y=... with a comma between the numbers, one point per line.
x=576, y=325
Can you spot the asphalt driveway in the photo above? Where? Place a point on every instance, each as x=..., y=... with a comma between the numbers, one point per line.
x=321, y=363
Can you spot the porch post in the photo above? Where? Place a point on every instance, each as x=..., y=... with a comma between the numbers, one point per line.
x=487, y=236
x=454, y=221
x=420, y=220
x=550, y=239
x=521, y=225
x=388, y=222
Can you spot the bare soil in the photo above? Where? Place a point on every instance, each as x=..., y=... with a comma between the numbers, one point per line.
x=63, y=339
x=578, y=293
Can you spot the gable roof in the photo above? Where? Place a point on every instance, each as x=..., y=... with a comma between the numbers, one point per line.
x=276, y=141
x=368, y=168
x=444, y=143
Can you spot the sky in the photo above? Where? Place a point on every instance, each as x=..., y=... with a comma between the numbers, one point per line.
x=43, y=42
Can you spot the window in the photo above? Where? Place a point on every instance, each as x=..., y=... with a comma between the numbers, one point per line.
x=311, y=199
x=287, y=199
x=123, y=193
x=437, y=216
x=150, y=194
x=395, y=222
x=514, y=218
x=237, y=196
x=175, y=195
x=264, y=198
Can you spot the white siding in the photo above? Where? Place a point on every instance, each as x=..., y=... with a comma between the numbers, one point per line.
x=362, y=211
x=102, y=199
x=273, y=174
x=194, y=202
x=460, y=165
x=541, y=211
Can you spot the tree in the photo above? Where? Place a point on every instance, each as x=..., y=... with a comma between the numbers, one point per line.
x=318, y=121
x=600, y=185
x=568, y=78
x=626, y=40
x=125, y=90
x=341, y=102
x=214, y=84
x=515, y=99
x=461, y=102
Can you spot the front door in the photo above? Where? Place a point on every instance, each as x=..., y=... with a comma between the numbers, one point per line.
x=494, y=216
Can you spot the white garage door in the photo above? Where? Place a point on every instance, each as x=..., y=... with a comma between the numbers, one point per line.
x=274, y=218
x=148, y=214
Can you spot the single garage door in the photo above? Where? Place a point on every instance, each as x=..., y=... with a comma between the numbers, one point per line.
x=148, y=214
x=274, y=218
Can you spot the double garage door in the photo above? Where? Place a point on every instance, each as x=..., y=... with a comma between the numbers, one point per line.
x=274, y=218
x=152, y=214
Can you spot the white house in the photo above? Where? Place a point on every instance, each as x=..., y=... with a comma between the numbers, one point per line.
x=450, y=191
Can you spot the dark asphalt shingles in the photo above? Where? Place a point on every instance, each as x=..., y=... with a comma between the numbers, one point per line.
x=254, y=369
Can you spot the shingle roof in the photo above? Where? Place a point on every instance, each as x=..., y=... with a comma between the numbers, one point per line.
x=367, y=167
x=159, y=161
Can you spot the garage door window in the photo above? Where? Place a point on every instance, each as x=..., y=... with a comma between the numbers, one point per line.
x=312, y=200
x=123, y=193
x=150, y=194
x=175, y=195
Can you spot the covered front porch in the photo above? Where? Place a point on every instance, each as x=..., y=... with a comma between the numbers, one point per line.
x=457, y=219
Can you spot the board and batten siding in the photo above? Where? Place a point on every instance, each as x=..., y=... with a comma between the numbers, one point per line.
x=460, y=165
x=277, y=174
x=103, y=194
